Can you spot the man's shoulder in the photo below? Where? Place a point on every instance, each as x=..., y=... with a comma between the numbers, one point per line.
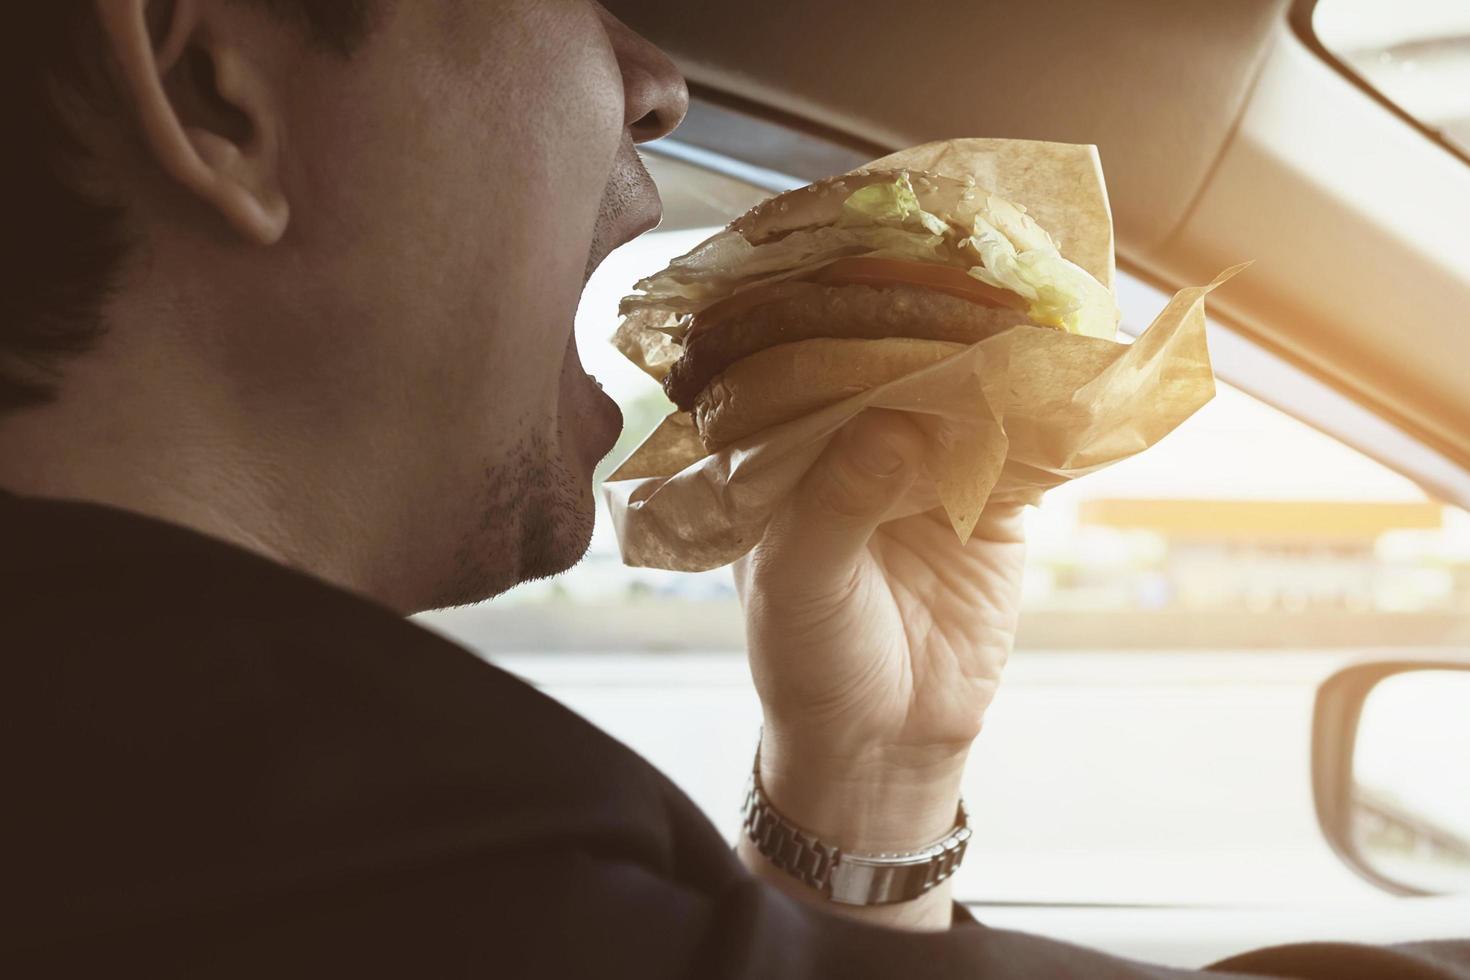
x=191, y=723
x=123, y=624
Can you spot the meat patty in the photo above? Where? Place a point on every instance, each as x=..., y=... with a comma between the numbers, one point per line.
x=802, y=311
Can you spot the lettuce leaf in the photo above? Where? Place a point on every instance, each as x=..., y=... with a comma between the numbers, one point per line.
x=894, y=205
x=1017, y=254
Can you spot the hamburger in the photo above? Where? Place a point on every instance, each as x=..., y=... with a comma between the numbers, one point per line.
x=843, y=285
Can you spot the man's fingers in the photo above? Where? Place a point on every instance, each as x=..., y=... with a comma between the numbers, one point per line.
x=1001, y=523
x=815, y=539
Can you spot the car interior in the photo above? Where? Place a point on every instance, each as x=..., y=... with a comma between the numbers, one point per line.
x=1239, y=709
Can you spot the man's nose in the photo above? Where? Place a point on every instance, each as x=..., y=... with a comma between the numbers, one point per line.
x=655, y=97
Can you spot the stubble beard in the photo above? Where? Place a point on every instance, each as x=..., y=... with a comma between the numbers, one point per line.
x=534, y=521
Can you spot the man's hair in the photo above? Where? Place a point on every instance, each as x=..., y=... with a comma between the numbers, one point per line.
x=60, y=248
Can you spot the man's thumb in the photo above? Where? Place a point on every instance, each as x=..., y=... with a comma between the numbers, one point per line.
x=846, y=493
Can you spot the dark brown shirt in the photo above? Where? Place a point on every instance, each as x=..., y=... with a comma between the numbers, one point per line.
x=217, y=767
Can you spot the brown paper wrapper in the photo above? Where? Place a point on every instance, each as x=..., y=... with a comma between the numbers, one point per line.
x=1007, y=418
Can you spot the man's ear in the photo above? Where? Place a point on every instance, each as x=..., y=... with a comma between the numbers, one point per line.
x=204, y=108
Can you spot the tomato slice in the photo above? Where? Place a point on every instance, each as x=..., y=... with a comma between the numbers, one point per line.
x=863, y=270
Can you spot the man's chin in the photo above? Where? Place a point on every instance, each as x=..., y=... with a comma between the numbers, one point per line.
x=560, y=544
x=534, y=521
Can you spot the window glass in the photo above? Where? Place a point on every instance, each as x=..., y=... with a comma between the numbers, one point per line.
x=1415, y=52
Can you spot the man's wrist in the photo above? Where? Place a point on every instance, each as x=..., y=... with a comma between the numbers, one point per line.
x=864, y=803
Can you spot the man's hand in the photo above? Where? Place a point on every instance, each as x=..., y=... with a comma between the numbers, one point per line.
x=876, y=648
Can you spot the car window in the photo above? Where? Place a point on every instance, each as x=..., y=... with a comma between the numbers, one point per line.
x=1179, y=609
x=1245, y=529
x=1416, y=53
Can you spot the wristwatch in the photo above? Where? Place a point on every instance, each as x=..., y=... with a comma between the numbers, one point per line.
x=851, y=879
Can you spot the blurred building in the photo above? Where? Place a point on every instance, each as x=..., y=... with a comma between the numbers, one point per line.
x=1291, y=555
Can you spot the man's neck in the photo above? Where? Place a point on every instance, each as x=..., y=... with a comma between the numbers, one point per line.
x=173, y=452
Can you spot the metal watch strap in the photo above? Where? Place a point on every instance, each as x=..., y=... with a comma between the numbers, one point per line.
x=851, y=879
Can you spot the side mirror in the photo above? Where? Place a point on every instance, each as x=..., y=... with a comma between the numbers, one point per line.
x=1391, y=773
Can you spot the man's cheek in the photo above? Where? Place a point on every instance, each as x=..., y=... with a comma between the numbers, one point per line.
x=583, y=87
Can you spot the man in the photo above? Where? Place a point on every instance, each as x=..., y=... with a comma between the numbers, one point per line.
x=286, y=353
